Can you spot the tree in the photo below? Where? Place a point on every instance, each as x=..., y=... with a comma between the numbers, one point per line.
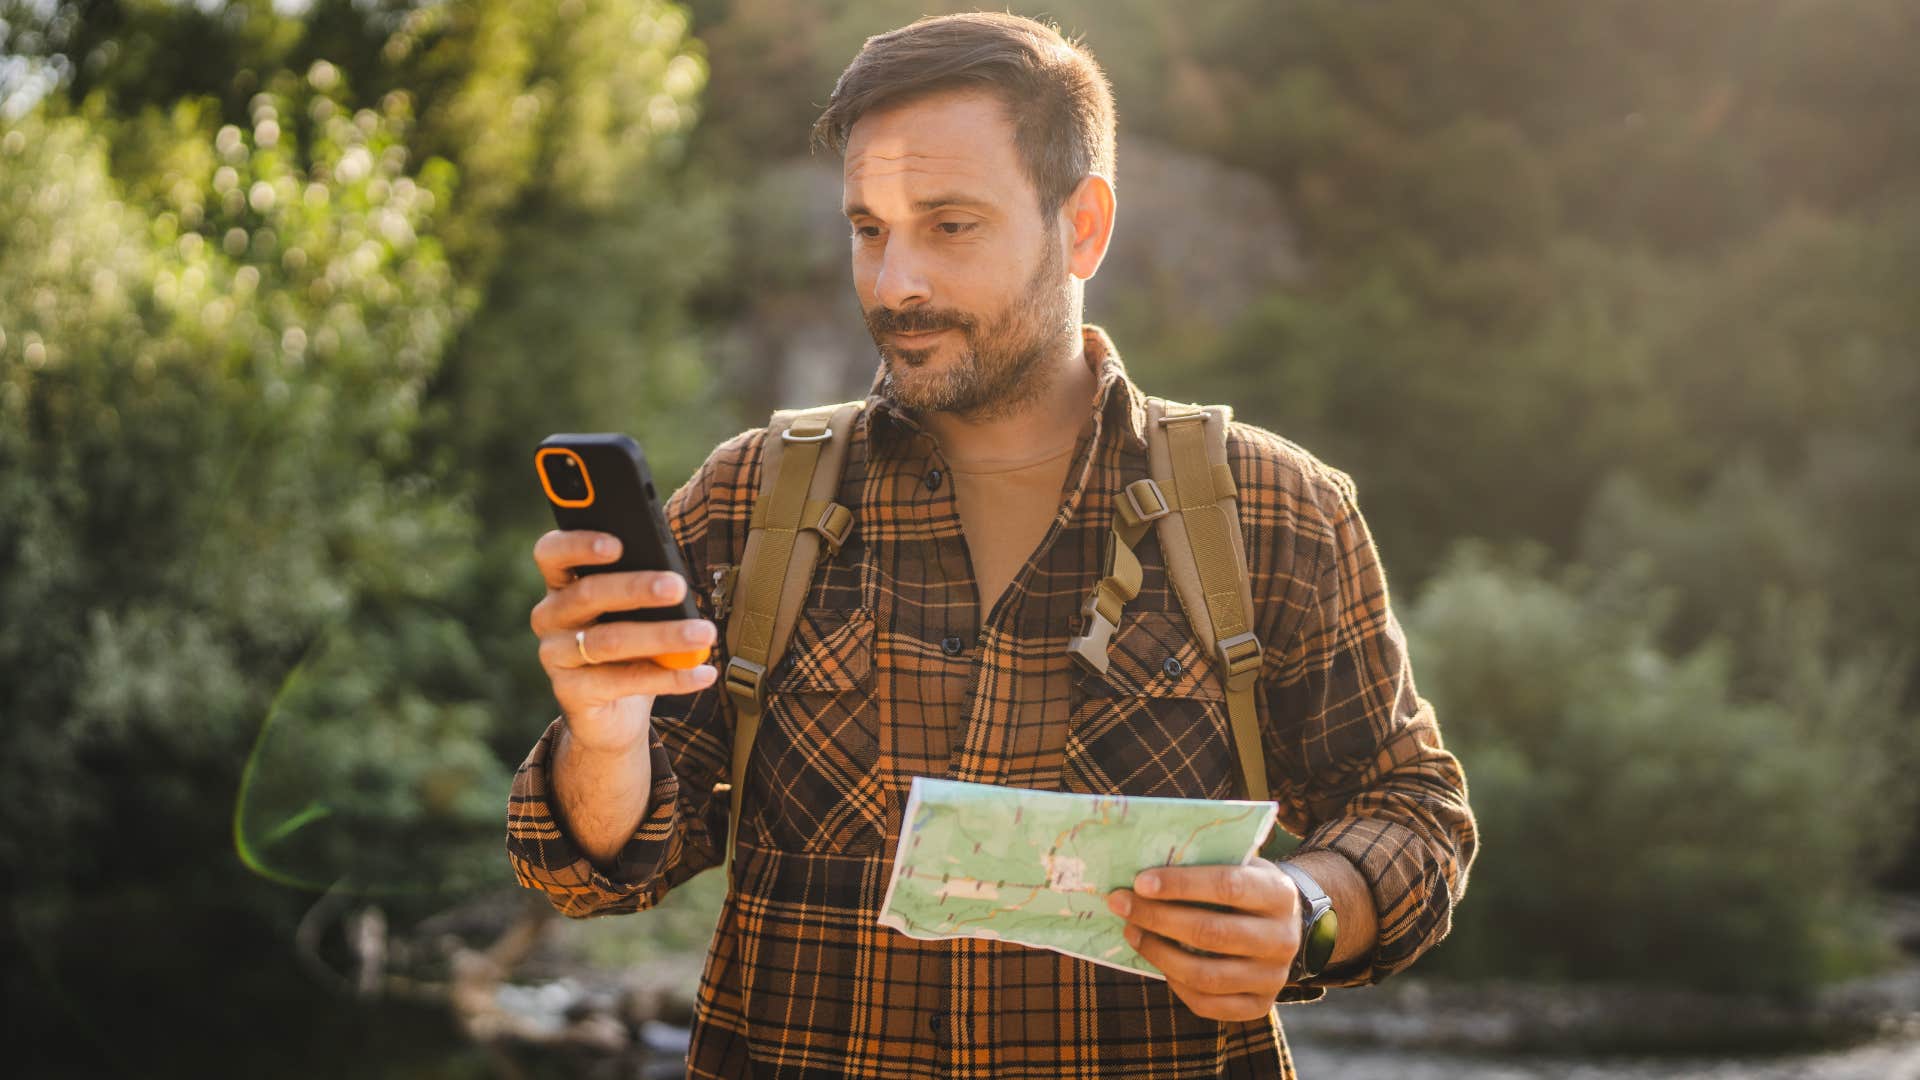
x=229, y=314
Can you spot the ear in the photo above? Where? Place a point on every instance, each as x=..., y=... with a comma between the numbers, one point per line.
x=1087, y=216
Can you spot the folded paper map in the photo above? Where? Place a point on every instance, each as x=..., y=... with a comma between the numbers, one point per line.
x=1035, y=867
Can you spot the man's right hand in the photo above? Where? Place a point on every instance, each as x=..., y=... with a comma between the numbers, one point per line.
x=608, y=702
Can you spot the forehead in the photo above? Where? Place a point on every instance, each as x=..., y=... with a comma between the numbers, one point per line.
x=957, y=142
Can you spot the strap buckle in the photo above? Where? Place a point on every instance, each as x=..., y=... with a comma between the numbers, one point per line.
x=1134, y=500
x=724, y=579
x=1090, y=646
x=1239, y=656
x=835, y=523
x=789, y=436
x=746, y=680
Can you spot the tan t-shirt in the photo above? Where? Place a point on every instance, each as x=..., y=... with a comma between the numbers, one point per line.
x=1005, y=513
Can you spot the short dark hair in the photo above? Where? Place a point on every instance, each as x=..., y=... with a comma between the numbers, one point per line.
x=1053, y=90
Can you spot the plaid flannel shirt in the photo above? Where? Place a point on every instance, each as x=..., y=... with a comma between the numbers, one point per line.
x=894, y=672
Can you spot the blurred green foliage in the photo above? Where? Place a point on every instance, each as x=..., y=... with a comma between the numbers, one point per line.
x=213, y=378
x=287, y=296
x=278, y=333
x=1662, y=824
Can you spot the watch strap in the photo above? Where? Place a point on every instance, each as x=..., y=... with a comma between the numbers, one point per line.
x=1318, y=925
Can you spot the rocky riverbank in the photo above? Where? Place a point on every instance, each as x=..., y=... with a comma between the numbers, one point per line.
x=1413, y=1013
x=1428, y=1030
x=620, y=993
x=1895, y=1057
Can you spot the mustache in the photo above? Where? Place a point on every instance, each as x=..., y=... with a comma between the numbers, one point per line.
x=882, y=320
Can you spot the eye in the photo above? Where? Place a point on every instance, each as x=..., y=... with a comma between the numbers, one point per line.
x=955, y=228
x=866, y=232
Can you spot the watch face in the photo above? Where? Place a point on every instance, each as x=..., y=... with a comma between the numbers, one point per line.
x=1319, y=944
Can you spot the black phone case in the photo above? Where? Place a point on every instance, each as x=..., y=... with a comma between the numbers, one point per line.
x=623, y=503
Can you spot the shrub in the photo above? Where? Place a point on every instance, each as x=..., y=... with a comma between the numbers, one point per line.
x=1641, y=821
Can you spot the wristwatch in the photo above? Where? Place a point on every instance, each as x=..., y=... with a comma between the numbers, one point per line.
x=1319, y=926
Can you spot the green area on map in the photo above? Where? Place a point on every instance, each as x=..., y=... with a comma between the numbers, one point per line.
x=1035, y=867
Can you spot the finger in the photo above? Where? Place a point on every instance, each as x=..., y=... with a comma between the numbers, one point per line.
x=585, y=600
x=1227, y=933
x=1224, y=1007
x=1259, y=887
x=1209, y=974
x=557, y=553
x=606, y=643
x=589, y=687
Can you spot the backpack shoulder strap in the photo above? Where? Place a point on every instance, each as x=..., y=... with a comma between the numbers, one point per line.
x=792, y=519
x=1207, y=561
x=1191, y=494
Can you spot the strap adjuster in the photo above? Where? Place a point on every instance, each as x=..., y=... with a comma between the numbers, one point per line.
x=746, y=680
x=835, y=523
x=1089, y=648
x=1239, y=656
x=1137, y=497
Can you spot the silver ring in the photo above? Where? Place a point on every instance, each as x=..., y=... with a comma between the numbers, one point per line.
x=580, y=641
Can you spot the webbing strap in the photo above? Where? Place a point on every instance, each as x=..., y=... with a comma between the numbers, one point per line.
x=1206, y=520
x=794, y=516
x=828, y=518
x=1191, y=455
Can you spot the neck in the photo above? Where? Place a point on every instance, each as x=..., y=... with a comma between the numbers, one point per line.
x=1039, y=430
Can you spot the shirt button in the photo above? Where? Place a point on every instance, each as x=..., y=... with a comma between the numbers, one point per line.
x=934, y=1021
x=1171, y=665
x=952, y=646
x=933, y=479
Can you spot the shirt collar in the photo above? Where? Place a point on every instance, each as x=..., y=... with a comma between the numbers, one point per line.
x=1116, y=400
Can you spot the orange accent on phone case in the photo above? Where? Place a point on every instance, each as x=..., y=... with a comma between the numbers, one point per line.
x=540, y=466
x=681, y=661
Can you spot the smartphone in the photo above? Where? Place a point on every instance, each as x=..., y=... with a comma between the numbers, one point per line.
x=601, y=482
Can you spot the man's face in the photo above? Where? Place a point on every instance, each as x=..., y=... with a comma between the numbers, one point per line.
x=963, y=285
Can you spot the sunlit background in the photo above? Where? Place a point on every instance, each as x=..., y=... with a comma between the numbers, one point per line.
x=1611, y=309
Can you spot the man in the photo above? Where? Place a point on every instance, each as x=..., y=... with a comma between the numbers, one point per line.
x=978, y=170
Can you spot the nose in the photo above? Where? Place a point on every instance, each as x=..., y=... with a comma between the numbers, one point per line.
x=902, y=282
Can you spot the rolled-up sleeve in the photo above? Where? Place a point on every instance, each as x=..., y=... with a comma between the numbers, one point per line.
x=1357, y=755
x=686, y=822
x=670, y=844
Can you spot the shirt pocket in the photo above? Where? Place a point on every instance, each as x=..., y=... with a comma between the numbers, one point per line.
x=814, y=782
x=1156, y=723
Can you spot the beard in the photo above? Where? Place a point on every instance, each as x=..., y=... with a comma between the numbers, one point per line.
x=1002, y=363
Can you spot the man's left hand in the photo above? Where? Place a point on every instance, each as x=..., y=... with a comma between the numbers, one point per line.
x=1252, y=942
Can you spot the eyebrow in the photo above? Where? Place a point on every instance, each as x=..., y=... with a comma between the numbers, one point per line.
x=937, y=202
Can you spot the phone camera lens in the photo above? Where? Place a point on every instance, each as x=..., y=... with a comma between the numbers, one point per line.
x=563, y=473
